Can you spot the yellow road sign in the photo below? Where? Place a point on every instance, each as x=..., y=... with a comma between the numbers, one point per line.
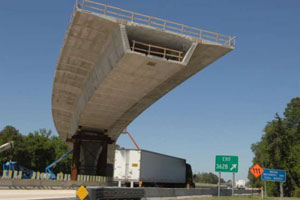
x=82, y=193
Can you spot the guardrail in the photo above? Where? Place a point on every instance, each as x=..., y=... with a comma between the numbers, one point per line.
x=150, y=49
x=155, y=22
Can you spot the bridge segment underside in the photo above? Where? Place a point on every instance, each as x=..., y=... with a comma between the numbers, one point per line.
x=108, y=73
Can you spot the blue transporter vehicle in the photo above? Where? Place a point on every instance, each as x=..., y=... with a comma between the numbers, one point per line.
x=14, y=166
x=48, y=168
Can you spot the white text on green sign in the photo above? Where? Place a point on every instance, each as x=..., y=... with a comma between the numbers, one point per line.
x=227, y=163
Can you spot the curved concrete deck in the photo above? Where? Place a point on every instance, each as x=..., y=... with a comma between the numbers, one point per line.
x=101, y=84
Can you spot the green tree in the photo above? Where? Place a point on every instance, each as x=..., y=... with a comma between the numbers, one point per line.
x=207, y=178
x=60, y=149
x=292, y=112
x=10, y=133
x=279, y=148
x=35, y=150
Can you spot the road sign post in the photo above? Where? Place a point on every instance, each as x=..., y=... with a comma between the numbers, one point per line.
x=257, y=171
x=226, y=163
x=281, y=189
x=265, y=184
x=233, y=180
x=276, y=175
x=219, y=184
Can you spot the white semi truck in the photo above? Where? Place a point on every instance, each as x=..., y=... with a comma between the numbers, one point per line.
x=240, y=184
x=151, y=169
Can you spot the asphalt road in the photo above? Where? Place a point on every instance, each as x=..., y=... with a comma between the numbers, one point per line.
x=37, y=194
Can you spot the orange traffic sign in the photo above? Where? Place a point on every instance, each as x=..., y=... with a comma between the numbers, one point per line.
x=256, y=170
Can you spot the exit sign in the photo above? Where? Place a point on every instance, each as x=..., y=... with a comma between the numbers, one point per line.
x=227, y=164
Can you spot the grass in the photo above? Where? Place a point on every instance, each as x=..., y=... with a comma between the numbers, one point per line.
x=205, y=184
x=209, y=185
x=255, y=197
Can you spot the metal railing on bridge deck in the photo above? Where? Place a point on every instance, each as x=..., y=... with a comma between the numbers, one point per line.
x=150, y=49
x=198, y=33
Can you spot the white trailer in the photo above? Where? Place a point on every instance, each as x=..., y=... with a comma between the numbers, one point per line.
x=240, y=184
x=134, y=166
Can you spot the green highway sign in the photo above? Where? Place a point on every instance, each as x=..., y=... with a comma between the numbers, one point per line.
x=227, y=164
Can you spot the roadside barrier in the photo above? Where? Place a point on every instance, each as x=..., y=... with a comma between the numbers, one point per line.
x=34, y=175
x=5, y=175
x=59, y=177
x=17, y=175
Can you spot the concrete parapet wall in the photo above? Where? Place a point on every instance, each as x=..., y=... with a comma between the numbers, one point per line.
x=178, y=192
x=96, y=193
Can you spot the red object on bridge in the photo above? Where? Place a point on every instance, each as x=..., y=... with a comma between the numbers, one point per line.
x=257, y=170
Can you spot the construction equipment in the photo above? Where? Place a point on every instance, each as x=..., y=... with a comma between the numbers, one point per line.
x=12, y=166
x=48, y=168
x=7, y=146
x=132, y=139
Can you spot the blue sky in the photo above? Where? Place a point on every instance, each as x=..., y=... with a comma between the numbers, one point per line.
x=221, y=110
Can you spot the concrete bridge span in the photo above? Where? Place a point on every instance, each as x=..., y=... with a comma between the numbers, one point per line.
x=113, y=65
